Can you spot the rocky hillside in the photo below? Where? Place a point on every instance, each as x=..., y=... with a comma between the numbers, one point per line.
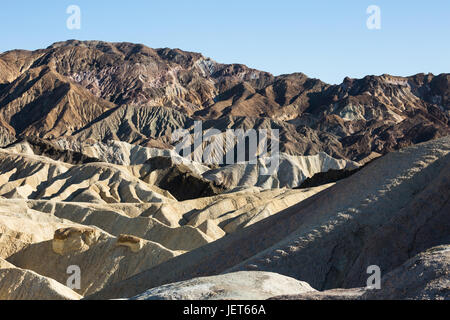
x=132, y=93
x=384, y=215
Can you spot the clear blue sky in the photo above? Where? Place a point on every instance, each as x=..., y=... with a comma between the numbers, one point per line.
x=326, y=39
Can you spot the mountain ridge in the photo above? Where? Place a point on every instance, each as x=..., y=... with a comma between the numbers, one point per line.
x=175, y=87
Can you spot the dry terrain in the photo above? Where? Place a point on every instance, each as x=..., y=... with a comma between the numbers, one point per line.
x=90, y=177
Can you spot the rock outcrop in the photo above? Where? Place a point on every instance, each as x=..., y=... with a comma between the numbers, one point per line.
x=233, y=286
x=133, y=243
x=70, y=240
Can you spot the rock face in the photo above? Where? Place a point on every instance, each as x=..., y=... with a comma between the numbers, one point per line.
x=186, y=179
x=233, y=286
x=103, y=182
x=178, y=179
x=21, y=227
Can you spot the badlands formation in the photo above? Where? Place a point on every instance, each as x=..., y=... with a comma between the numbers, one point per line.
x=90, y=178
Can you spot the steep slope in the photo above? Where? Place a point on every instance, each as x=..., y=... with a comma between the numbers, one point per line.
x=135, y=124
x=90, y=235
x=126, y=73
x=41, y=102
x=34, y=146
x=423, y=277
x=89, y=175
x=19, y=284
x=320, y=240
x=176, y=225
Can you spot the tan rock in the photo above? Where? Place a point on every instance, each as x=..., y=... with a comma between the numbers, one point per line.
x=134, y=243
x=74, y=239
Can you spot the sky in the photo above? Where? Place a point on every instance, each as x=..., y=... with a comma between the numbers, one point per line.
x=326, y=39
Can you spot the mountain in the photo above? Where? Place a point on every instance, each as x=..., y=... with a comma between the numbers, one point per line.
x=132, y=93
x=90, y=175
